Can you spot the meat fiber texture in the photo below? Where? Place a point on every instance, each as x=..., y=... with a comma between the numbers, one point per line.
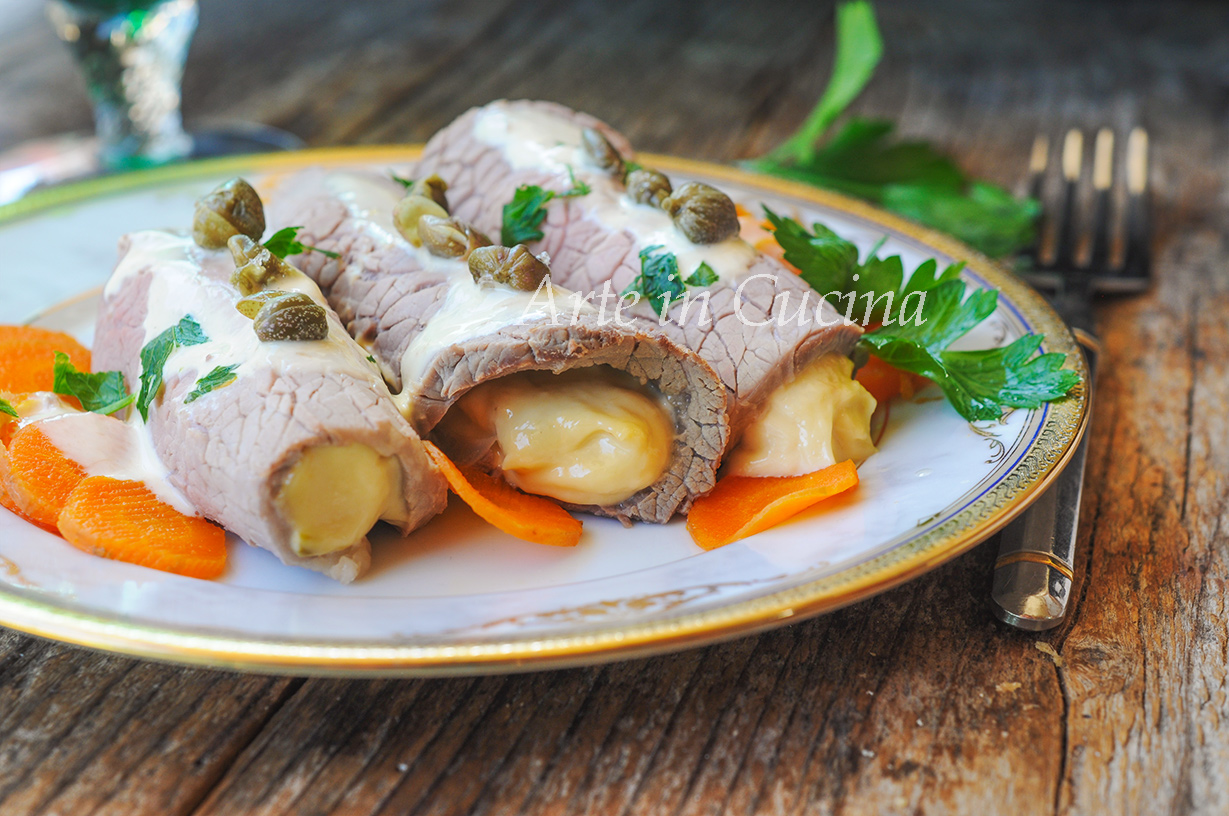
x=386, y=295
x=752, y=360
x=231, y=450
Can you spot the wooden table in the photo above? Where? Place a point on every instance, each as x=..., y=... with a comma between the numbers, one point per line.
x=914, y=702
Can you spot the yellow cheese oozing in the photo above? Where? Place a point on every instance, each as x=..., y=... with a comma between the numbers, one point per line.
x=820, y=418
x=335, y=494
x=585, y=436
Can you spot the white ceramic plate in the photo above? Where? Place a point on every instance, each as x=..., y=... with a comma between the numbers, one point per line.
x=458, y=596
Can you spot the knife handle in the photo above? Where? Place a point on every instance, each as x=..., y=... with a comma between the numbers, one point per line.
x=1035, y=567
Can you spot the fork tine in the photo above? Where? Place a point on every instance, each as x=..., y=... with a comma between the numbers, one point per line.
x=1073, y=159
x=1102, y=183
x=1138, y=261
x=1039, y=159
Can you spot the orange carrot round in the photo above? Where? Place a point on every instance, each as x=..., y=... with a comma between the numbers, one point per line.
x=741, y=506
x=530, y=518
x=125, y=521
x=39, y=476
x=27, y=357
x=6, y=501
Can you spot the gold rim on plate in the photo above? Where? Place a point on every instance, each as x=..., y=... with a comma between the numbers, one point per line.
x=1053, y=445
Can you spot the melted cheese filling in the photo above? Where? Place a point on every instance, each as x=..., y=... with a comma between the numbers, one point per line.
x=335, y=494
x=820, y=418
x=587, y=436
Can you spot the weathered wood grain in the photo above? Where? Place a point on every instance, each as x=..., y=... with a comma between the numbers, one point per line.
x=912, y=703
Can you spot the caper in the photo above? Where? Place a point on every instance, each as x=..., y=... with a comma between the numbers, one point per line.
x=432, y=187
x=516, y=267
x=232, y=209
x=255, y=265
x=292, y=316
x=648, y=186
x=250, y=305
x=448, y=237
x=704, y=214
x=409, y=210
x=601, y=152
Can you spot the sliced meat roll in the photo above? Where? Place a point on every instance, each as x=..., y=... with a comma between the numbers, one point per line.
x=566, y=402
x=759, y=325
x=304, y=451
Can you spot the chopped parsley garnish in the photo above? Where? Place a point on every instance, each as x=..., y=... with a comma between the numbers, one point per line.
x=527, y=210
x=371, y=360
x=284, y=242
x=404, y=182
x=219, y=377
x=155, y=354
x=659, y=280
x=7, y=408
x=922, y=317
x=909, y=178
x=101, y=393
x=703, y=276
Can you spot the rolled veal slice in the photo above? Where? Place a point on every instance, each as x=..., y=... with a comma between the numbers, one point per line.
x=755, y=322
x=294, y=445
x=564, y=399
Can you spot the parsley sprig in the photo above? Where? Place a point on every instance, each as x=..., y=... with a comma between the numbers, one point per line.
x=980, y=384
x=7, y=408
x=909, y=178
x=103, y=392
x=187, y=332
x=524, y=214
x=285, y=242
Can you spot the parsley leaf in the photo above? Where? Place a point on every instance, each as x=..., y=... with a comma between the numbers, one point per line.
x=979, y=384
x=219, y=377
x=527, y=210
x=659, y=279
x=155, y=354
x=910, y=178
x=284, y=242
x=830, y=265
x=404, y=182
x=101, y=393
x=922, y=316
x=7, y=408
x=703, y=276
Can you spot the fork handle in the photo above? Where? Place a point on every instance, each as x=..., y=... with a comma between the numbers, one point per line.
x=1035, y=567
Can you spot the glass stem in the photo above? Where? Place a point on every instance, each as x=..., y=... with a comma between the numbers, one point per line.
x=133, y=58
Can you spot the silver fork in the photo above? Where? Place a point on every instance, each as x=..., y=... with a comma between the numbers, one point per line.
x=1035, y=567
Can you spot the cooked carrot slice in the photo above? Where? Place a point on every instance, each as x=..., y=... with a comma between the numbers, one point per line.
x=125, y=521
x=886, y=382
x=27, y=357
x=6, y=501
x=527, y=517
x=742, y=506
x=39, y=476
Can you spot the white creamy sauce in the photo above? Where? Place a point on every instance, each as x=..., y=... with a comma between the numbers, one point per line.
x=543, y=141
x=367, y=201
x=232, y=339
x=105, y=446
x=469, y=309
